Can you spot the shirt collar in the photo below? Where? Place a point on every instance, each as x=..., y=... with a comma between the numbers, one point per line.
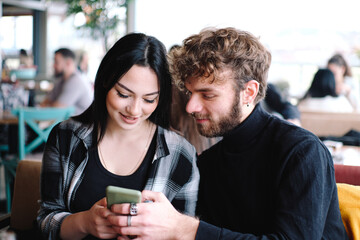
x=247, y=130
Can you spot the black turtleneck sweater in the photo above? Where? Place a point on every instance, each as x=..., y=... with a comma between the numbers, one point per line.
x=268, y=179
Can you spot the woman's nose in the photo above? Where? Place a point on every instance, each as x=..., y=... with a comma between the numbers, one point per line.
x=134, y=107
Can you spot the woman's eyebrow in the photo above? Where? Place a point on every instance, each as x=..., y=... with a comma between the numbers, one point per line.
x=148, y=94
x=124, y=87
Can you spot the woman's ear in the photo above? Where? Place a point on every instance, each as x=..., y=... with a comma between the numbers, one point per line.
x=250, y=92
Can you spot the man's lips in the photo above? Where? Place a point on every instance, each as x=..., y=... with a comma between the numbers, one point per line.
x=201, y=120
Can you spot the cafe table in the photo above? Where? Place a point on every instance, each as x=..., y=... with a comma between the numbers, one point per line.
x=344, y=154
x=7, y=117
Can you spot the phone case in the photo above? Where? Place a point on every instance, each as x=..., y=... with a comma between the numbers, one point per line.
x=115, y=195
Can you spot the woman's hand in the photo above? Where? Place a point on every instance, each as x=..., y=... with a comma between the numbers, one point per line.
x=97, y=223
x=94, y=222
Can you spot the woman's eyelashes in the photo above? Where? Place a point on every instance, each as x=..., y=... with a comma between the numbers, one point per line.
x=121, y=95
x=149, y=101
x=145, y=99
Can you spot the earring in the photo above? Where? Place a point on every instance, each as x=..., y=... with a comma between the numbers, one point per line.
x=247, y=104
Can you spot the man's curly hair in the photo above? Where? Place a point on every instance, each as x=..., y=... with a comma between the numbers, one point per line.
x=213, y=51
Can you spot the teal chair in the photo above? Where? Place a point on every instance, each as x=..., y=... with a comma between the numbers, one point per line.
x=34, y=118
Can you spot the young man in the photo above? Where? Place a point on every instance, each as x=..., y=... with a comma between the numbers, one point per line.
x=70, y=89
x=267, y=178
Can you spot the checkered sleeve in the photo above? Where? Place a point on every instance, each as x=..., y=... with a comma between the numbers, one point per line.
x=186, y=198
x=177, y=174
x=52, y=206
x=58, y=175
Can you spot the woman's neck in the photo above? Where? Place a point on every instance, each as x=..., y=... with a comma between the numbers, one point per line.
x=118, y=134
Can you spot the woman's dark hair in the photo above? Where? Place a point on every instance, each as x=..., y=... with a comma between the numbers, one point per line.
x=132, y=49
x=339, y=60
x=322, y=85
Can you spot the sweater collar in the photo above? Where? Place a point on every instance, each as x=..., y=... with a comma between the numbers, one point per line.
x=247, y=130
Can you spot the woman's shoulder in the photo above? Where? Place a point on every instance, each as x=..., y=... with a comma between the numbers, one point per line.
x=175, y=140
x=74, y=127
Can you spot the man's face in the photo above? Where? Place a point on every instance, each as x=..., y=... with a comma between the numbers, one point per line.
x=59, y=65
x=215, y=106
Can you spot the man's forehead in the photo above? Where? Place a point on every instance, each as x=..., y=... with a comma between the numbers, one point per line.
x=212, y=81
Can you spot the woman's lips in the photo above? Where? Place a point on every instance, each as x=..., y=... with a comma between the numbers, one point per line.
x=128, y=119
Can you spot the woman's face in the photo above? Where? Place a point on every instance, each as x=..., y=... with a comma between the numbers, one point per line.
x=338, y=71
x=133, y=98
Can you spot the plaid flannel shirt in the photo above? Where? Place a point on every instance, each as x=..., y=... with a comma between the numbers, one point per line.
x=173, y=172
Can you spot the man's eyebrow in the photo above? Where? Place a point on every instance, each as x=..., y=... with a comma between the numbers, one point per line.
x=204, y=90
x=148, y=94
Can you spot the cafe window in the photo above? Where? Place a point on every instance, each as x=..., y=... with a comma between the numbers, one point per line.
x=16, y=33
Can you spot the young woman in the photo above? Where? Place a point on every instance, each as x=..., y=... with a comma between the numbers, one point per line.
x=322, y=95
x=345, y=84
x=122, y=139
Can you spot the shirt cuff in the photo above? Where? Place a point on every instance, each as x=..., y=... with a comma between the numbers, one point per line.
x=207, y=231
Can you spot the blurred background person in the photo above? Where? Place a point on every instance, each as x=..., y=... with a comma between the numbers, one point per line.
x=275, y=103
x=345, y=84
x=322, y=95
x=83, y=62
x=70, y=88
x=83, y=66
x=26, y=60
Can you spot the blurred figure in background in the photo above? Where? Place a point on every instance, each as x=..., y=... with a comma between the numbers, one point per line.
x=345, y=84
x=83, y=66
x=322, y=95
x=26, y=61
x=276, y=104
x=70, y=88
x=83, y=63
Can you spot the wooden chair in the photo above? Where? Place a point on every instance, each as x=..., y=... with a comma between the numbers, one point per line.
x=25, y=205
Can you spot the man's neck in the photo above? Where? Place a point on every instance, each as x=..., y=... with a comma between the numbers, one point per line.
x=246, y=111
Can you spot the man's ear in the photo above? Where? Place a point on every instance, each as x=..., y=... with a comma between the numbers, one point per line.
x=250, y=92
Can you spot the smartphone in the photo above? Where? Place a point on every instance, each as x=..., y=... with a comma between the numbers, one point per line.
x=115, y=195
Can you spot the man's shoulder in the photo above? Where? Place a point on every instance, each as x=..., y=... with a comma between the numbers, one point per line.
x=76, y=77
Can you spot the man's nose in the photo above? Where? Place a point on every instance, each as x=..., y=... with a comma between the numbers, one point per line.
x=194, y=105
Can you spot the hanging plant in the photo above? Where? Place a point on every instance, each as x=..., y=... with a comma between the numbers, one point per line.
x=98, y=18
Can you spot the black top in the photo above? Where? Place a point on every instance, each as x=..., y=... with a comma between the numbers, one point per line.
x=268, y=178
x=97, y=178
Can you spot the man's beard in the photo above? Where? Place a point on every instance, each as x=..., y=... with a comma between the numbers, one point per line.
x=225, y=124
x=59, y=74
